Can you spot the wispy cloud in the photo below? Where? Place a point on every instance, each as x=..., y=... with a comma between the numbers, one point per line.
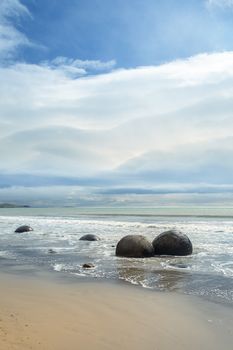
x=12, y=8
x=220, y=3
x=76, y=67
x=10, y=37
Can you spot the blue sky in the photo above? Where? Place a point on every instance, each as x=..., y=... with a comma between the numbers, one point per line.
x=116, y=102
x=133, y=33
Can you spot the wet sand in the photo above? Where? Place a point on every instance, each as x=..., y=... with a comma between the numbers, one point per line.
x=51, y=314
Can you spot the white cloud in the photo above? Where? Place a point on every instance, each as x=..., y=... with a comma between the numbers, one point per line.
x=10, y=37
x=85, y=64
x=53, y=124
x=76, y=67
x=12, y=8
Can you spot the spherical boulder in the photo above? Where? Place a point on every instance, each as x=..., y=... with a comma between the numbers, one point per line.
x=172, y=242
x=89, y=237
x=134, y=246
x=23, y=228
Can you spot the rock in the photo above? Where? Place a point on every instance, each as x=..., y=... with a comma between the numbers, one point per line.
x=89, y=237
x=88, y=266
x=23, y=228
x=172, y=242
x=179, y=265
x=51, y=251
x=134, y=246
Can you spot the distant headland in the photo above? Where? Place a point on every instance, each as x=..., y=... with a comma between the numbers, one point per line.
x=10, y=205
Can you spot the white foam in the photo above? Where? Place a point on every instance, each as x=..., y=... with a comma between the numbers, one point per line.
x=59, y=267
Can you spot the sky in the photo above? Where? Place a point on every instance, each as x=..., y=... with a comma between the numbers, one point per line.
x=116, y=102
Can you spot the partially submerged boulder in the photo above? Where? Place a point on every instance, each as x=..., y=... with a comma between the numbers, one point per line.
x=172, y=242
x=24, y=228
x=52, y=251
x=88, y=266
x=89, y=237
x=134, y=246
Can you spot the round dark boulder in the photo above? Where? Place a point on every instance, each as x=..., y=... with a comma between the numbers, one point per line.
x=88, y=266
x=23, y=228
x=134, y=246
x=89, y=237
x=172, y=242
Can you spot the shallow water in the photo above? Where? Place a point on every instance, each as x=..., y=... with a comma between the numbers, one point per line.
x=208, y=272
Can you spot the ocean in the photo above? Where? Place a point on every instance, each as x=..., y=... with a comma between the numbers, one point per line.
x=207, y=273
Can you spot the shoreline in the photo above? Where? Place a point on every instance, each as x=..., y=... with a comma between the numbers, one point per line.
x=48, y=311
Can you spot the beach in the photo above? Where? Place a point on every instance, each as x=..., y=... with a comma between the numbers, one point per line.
x=49, y=301
x=46, y=312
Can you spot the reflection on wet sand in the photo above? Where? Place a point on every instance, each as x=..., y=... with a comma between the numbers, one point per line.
x=162, y=279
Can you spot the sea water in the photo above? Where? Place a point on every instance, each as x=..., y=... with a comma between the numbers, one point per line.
x=208, y=272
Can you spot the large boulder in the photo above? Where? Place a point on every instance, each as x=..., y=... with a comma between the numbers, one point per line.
x=172, y=242
x=134, y=246
x=89, y=237
x=23, y=228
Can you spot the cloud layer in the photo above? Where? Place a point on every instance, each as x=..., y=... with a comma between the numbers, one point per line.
x=149, y=120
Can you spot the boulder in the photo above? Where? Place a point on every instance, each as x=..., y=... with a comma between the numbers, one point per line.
x=134, y=246
x=23, y=228
x=89, y=237
x=172, y=242
x=52, y=251
x=88, y=266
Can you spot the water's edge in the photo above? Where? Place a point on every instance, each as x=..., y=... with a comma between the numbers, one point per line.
x=207, y=273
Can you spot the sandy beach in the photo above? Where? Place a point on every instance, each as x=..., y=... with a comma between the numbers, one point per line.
x=56, y=314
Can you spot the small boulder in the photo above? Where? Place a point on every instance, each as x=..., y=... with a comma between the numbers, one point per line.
x=172, y=242
x=23, y=228
x=88, y=266
x=51, y=251
x=89, y=237
x=134, y=246
x=179, y=266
